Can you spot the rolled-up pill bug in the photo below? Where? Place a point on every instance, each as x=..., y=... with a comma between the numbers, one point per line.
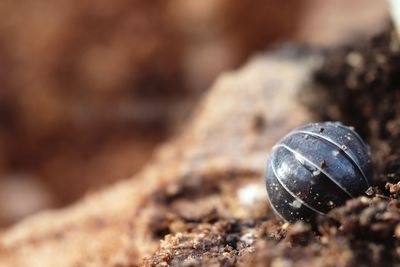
x=315, y=168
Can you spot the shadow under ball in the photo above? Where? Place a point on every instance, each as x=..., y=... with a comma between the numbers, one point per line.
x=316, y=168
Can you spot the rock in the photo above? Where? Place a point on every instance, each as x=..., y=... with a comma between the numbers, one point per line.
x=196, y=183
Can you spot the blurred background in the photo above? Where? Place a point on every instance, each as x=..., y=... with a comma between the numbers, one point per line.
x=89, y=88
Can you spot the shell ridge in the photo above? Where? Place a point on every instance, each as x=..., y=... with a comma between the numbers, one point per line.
x=350, y=157
x=291, y=193
x=317, y=167
x=354, y=133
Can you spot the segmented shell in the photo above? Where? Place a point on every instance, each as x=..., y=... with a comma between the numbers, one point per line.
x=315, y=168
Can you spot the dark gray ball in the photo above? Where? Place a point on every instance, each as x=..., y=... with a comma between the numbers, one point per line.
x=315, y=168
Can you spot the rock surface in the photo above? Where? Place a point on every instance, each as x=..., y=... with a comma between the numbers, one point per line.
x=203, y=192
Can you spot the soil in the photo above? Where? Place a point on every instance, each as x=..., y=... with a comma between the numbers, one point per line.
x=361, y=88
x=358, y=85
